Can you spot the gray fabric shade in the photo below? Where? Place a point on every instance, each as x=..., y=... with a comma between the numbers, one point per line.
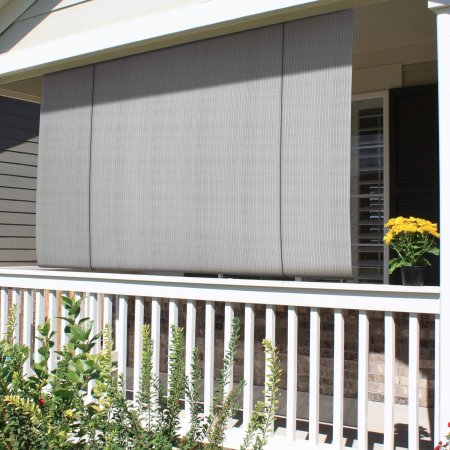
x=185, y=156
x=62, y=203
x=316, y=146
x=208, y=157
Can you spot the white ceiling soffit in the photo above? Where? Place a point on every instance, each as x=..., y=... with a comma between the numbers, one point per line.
x=150, y=31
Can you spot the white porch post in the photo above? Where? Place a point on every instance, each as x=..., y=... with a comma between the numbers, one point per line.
x=442, y=9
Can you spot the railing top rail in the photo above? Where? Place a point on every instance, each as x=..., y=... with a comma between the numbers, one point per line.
x=371, y=297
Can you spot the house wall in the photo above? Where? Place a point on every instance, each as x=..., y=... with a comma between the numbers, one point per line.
x=19, y=128
x=395, y=46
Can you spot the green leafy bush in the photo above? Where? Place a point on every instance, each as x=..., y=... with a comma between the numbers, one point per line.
x=82, y=404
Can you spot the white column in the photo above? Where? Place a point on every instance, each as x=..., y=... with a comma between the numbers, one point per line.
x=442, y=9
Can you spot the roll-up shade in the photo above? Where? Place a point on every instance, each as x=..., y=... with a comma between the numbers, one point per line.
x=228, y=155
x=185, y=158
x=62, y=211
x=316, y=145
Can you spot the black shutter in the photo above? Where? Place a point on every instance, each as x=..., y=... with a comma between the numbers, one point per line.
x=414, y=159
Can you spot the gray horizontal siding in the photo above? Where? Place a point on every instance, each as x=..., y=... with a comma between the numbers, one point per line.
x=14, y=120
x=18, y=243
x=19, y=125
x=25, y=256
x=17, y=231
x=17, y=206
x=17, y=218
x=18, y=158
x=21, y=134
x=18, y=146
x=19, y=108
x=19, y=170
x=17, y=182
x=18, y=194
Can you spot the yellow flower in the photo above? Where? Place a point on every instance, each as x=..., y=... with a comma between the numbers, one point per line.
x=388, y=237
x=68, y=413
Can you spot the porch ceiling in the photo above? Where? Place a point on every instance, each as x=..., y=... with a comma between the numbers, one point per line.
x=395, y=44
x=61, y=39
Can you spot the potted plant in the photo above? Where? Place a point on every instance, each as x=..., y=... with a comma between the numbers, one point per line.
x=412, y=239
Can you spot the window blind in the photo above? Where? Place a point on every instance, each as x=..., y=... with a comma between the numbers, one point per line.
x=208, y=157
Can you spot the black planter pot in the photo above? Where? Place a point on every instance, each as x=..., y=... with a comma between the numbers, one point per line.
x=413, y=276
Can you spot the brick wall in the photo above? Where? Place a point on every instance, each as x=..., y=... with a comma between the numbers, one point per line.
x=376, y=359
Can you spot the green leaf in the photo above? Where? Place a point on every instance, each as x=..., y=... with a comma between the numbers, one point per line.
x=44, y=328
x=77, y=332
x=434, y=251
x=73, y=376
x=63, y=393
x=43, y=351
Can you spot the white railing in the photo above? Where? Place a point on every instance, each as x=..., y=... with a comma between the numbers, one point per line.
x=37, y=294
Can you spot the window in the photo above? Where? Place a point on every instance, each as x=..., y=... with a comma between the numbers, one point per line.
x=369, y=188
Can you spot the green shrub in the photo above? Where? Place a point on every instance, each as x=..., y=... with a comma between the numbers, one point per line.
x=82, y=404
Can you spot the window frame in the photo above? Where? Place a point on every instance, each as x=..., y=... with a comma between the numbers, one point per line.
x=384, y=95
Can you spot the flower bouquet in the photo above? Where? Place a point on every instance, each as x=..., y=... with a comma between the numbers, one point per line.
x=411, y=239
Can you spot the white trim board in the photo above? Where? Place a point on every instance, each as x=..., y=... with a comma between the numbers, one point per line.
x=158, y=30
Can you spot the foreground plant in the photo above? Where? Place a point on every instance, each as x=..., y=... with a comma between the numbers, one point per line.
x=263, y=416
x=82, y=404
x=411, y=239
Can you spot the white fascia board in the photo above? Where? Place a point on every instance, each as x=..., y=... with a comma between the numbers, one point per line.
x=145, y=29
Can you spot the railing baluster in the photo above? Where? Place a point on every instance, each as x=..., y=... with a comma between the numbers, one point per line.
x=249, y=352
x=39, y=320
x=173, y=321
x=190, y=343
x=64, y=337
x=389, y=374
x=271, y=321
x=191, y=313
x=338, y=376
x=292, y=357
x=4, y=310
x=122, y=338
x=17, y=301
x=314, y=377
x=413, y=405
x=156, y=333
x=93, y=314
x=363, y=379
x=52, y=314
x=138, y=323
x=227, y=330
x=107, y=310
x=437, y=393
x=209, y=355
x=27, y=326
